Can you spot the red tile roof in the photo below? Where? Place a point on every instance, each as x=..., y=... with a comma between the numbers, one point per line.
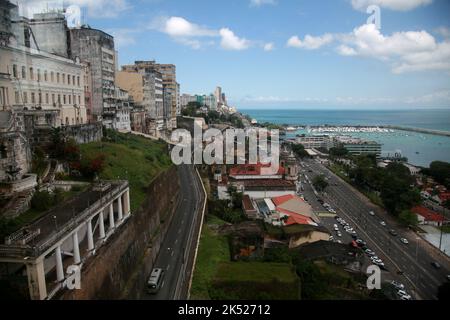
x=247, y=203
x=444, y=196
x=251, y=169
x=428, y=214
x=297, y=219
x=282, y=199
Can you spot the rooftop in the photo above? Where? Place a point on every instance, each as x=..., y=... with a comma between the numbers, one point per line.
x=252, y=170
x=428, y=214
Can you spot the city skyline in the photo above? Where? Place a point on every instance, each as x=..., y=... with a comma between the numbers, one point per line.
x=314, y=55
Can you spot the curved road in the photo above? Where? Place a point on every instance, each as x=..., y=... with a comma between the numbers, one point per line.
x=177, y=250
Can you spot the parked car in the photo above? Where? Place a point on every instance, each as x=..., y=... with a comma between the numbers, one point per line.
x=436, y=265
x=383, y=223
x=404, y=241
x=372, y=213
x=393, y=232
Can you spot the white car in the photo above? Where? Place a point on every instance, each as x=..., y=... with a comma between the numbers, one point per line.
x=406, y=297
x=383, y=223
x=398, y=285
x=339, y=234
x=404, y=241
x=372, y=213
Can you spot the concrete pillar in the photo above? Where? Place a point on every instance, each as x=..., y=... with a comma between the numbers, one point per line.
x=36, y=280
x=127, y=203
x=101, y=225
x=76, y=248
x=119, y=208
x=59, y=265
x=111, y=216
x=90, y=236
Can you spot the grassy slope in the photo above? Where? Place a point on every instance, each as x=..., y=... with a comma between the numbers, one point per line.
x=213, y=249
x=131, y=158
x=256, y=280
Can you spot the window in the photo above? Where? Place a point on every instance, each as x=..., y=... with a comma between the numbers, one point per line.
x=46, y=98
x=25, y=97
x=45, y=76
x=59, y=99
x=15, y=70
x=52, y=76
x=63, y=78
x=31, y=74
x=33, y=98
x=68, y=79
x=40, y=97
x=73, y=80
x=3, y=152
x=57, y=77
x=78, y=81
x=38, y=75
x=67, y=121
x=70, y=99
x=64, y=99
x=79, y=100
x=24, y=73
x=16, y=97
x=53, y=98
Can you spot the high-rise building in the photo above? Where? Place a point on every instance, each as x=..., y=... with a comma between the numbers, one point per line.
x=97, y=48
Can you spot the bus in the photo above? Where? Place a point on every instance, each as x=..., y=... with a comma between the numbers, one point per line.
x=155, y=280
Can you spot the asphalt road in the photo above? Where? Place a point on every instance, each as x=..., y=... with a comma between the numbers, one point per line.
x=177, y=250
x=414, y=259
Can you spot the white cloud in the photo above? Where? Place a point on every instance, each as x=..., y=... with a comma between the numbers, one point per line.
x=310, y=42
x=269, y=46
x=187, y=33
x=405, y=51
x=232, y=42
x=94, y=8
x=443, y=31
x=180, y=27
x=258, y=3
x=398, y=5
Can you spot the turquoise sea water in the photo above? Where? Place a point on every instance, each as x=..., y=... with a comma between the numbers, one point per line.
x=420, y=149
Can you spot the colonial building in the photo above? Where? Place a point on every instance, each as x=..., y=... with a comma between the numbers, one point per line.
x=97, y=48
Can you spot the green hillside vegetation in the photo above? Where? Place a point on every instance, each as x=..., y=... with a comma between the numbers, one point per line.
x=133, y=158
x=255, y=280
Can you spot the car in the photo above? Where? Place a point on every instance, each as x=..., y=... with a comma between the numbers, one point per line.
x=383, y=223
x=406, y=297
x=372, y=213
x=335, y=225
x=331, y=238
x=398, y=285
x=404, y=240
x=339, y=241
x=436, y=265
x=339, y=234
x=401, y=293
x=393, y=232
x=354, y=236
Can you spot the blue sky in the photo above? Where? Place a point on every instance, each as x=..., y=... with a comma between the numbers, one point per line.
x=289, y=53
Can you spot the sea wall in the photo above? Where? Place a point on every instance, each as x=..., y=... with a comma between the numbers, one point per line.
x=120, y=267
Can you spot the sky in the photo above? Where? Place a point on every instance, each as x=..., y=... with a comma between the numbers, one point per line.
x=287, y=53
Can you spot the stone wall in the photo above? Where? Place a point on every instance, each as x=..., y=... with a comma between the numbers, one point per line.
x=84, y=133
x=120, y=268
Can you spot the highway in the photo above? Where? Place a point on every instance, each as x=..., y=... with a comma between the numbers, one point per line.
x=177, y=250
x=413, y=259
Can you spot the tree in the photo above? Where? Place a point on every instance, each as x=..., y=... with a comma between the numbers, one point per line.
x=236, y=197
x=440, y=171
x=299, y=150
x=396, y=191
x=408, y=218
x=338, y=152
x=320, y=183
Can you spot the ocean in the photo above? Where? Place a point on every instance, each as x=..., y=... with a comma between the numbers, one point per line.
x=420, y=149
